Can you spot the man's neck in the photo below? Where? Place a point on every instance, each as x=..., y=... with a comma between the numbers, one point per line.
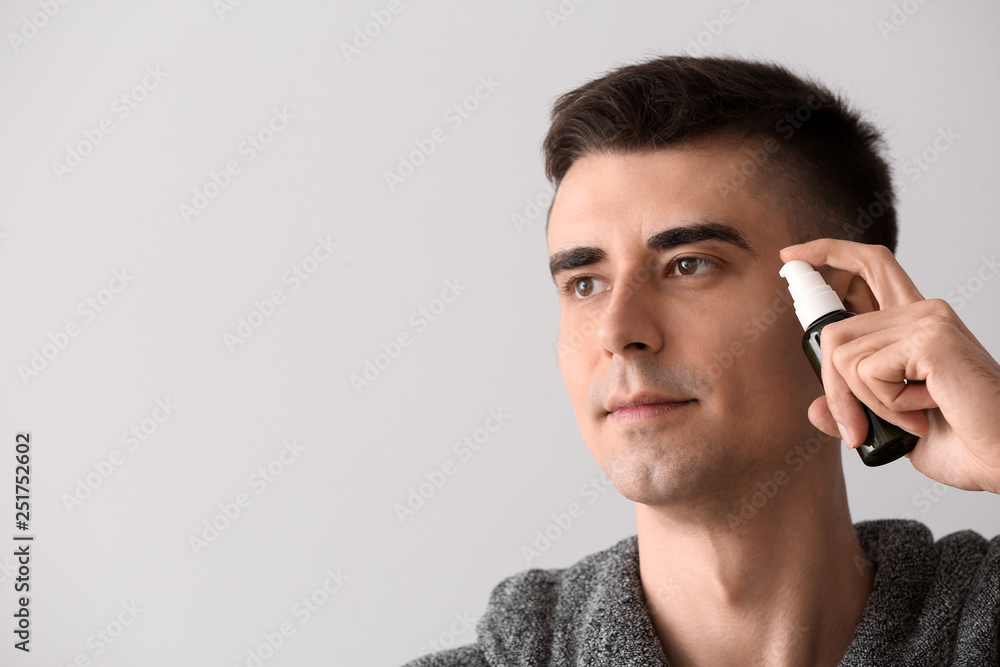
x=779, y=588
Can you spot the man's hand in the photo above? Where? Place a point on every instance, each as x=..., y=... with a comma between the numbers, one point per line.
x=954, y=405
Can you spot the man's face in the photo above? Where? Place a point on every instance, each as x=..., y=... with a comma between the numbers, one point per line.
x=702, y=317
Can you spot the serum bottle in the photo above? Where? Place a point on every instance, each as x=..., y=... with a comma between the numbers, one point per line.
x=816, y=305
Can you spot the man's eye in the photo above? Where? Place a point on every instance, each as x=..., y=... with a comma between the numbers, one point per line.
x=583, y=286
x=688, y=265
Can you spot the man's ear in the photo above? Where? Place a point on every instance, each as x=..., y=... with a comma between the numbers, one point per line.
x=859, y=297
x=853, y=291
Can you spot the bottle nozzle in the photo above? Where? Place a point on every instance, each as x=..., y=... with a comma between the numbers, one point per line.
x=812, y=297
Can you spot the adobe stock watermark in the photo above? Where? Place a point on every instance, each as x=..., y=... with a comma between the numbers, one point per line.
x=661, y=597
x=365, y=34
x=107, y=635
x=224, y=7
x=875, y=553
x=59, y=340
x=263, y=309
x=464, y=449
x=592, y=490
x=714, y=28
x=32, y=24
x=447, y=638
x=455, y=116
x=926, y=498
x=121, y=109
x=302, y=611
x=867, y=215
x=562, y=12
x=420, y=320
x=965, y=292
x=131, y=439
x=8, y=568
x=231, y=510
x=248, y=149
x=752, y=330
x=796, y=459
x=585, y=333
x=664, y=596
x=918, y=164
x=898, y=17
x=760, y=153
x=535, y=208
x=915, y=167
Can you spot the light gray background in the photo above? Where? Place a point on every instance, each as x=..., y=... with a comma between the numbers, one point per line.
x=332, y=508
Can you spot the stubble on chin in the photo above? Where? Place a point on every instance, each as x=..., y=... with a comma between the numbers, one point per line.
x=648, y=467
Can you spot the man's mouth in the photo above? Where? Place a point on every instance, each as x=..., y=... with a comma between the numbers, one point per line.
x=645, y=405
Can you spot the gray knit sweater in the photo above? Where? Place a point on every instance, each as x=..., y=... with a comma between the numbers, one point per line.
x=933, y=603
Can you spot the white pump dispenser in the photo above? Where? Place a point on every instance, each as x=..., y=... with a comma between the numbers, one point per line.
x=813, y=298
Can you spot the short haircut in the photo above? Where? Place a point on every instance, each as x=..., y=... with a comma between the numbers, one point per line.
x=806, y=148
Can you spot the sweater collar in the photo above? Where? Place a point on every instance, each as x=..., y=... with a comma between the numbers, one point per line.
x=592, y=613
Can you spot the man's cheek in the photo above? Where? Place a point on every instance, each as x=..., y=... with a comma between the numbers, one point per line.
x=574, y=335
x=735, y=331
x=727, y=347
x=574, y=366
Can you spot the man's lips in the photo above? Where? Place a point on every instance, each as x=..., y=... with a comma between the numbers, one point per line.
x=644, y=406
x=627, y=415
x=641, y=398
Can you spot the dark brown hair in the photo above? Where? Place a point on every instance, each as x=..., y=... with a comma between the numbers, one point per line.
x=806, y=147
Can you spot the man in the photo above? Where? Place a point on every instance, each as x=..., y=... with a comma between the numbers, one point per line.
x=683, y=185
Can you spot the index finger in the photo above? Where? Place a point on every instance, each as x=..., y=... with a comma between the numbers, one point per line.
x=874, y=263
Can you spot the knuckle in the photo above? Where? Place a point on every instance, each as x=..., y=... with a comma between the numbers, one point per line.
x=877, y=256
x=939, y=307
x=881, y=254
x=833, y=335
x=891, y=400
x=936, y=327
x=841, y=404
x=934, y=333
x=840, y=356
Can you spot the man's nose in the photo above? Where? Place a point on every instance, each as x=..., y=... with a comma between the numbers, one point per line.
x=630, y=319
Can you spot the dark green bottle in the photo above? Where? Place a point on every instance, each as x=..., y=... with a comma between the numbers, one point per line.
x=816, y=305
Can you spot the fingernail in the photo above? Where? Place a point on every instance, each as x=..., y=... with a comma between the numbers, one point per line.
x=845, y=436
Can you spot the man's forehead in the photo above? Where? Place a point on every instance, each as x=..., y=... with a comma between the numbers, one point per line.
x=741, y=228
x=630, y=197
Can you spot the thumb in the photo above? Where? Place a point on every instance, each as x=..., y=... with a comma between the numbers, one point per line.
x=821, y=418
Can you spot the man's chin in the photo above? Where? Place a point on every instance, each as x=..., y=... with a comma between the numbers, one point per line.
x=668, y=469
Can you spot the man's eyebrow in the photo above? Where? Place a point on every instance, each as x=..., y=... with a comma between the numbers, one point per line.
x=574, y=258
